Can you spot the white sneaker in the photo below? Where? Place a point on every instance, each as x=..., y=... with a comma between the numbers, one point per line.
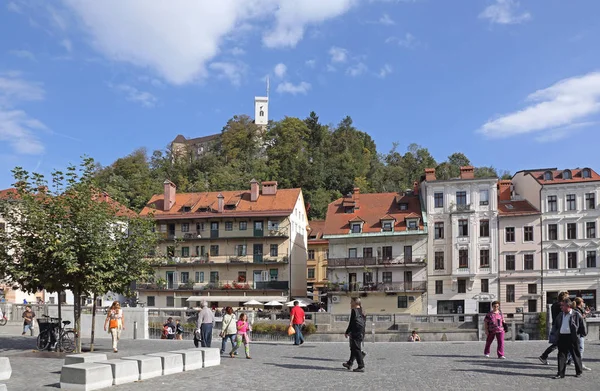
x=585, y=368
x=486, y=355
x=502, y=358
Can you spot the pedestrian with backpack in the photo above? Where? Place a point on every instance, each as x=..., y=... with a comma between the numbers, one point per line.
x=356, y=335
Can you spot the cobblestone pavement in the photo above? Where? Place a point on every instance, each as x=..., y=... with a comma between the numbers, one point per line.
x=281, y=366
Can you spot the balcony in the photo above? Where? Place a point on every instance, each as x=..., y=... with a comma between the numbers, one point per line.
x=461, y=208
x=391, y=287
x=219, y=285
x=219, y=260
x=276, y=232
x=380, y=261
x=351, y=262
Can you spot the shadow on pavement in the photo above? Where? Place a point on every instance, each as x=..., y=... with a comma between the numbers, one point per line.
x=304, y=367
x=504, y=373
x=503, y=364
x=314, y=358
x=53, y=385
x=444, y=355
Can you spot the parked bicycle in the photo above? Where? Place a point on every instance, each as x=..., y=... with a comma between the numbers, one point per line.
x=3, y=320
x=53, y=336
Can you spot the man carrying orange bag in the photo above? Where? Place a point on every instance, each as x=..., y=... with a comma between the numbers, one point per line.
x=296, y=321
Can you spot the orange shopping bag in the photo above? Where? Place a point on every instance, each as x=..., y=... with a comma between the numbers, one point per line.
x=291, y=330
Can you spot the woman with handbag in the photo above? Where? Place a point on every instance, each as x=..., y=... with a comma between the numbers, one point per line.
x=495, y=327
x=243, y=327
x=229, y=329
x=115, y=323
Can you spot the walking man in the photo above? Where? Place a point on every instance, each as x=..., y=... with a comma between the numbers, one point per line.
x=206, y=320
x=356, y=333
x=555, y=310
x=566, y=330
x=297, y=320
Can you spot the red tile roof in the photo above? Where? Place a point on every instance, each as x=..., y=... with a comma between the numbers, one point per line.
x=516, y=208
x=316, y=228
x=373, y=207
x=280, y=204
x=8, y=193
x=557, y=176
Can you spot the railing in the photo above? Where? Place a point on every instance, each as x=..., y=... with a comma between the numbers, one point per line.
x=222, y=285
x=462, y=208
x=359, y=262
x=283, y=232
x=401, y=286
x=219, y=259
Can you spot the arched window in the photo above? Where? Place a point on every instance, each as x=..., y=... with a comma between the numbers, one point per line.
x=567, y=174
x=548, y=176
x=586, y=173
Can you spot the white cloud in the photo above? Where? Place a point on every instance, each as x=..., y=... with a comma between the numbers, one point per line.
x=237, y=51
x=386, y=20
x=356, y=70
x=147, y=79
x=67, y=44
x=408, y=41
x=231, y=71
x=561, y=105
x=504, y=12
x=294, y=89
x=384, y=71
x=26, y=54
x=13, y=88
x=132, y=94
x=338, y=54
x=280, y=70
x=177, y=39
x=310, y=63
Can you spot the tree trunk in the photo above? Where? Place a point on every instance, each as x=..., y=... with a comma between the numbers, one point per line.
x=77, y=313
x=93, y=323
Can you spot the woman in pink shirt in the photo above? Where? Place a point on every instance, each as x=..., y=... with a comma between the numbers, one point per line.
x=243, y=328
x=494, y=328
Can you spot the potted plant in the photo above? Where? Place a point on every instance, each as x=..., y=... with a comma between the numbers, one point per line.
x=161, y=283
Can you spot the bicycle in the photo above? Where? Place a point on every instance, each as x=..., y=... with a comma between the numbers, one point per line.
x=3, y=320
x=63, y=342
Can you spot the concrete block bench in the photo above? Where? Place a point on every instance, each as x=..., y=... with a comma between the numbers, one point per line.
x=148, y=366
x=84, y=357
x=3, y=387
x=123, y=371
x=5, y=368
x=210, y=356
x=85, y=376
x=192, y=359
x=171, y=362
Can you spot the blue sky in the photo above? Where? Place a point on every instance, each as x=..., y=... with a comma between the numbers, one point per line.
x=511, y=84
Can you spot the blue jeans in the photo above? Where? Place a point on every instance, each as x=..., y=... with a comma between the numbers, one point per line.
x=298, y=337
x=230, y=337
x=206, y=332
x=27, y=327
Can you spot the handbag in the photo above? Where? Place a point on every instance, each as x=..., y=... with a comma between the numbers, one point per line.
x=505, y=326
x=113, y=324
x=291, y=331
x=222, y=333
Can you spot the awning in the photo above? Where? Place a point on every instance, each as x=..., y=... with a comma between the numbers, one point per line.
x=236, y=299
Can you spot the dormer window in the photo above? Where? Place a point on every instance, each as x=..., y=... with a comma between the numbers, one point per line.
x=349, y=209
x=203, y=209
x=403, y=206
x=387, y=226
x=412, y=224
x=356, y=228
x=548, y=176
x=187, y=209
x=567, y=174
x=586, y=173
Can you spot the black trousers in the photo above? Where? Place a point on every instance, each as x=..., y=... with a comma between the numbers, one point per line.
x=550, y=349
x=568, y=344
x=356, y=352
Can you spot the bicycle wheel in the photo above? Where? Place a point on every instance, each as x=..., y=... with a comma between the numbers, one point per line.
x=43, y=341
x=67, y=342
x=3, y=321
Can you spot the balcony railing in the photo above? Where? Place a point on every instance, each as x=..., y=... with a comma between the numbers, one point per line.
x=385, y=261
x=223, y=285
x=459, y=208
x=401, y=286
x=221, y=259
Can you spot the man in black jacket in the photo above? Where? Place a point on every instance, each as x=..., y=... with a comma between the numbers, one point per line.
x=554, y=311
x=568, y=327
x=356, y=333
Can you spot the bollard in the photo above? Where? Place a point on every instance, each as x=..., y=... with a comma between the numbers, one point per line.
x=135, y=330
x=373, y=331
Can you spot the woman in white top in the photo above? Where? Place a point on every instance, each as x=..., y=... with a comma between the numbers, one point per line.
x=229, y=329
x=115, y=322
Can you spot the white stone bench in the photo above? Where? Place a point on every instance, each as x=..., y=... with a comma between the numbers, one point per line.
x=123, y=371
x=85, y=376
x=211, y=357
x=3, y=387
x=84, y=357
x=148, y=366
x=192, y=359
x=5, y=368
x=171, y=362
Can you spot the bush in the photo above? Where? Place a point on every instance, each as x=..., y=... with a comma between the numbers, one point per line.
x=542, y=322
x=280, y=328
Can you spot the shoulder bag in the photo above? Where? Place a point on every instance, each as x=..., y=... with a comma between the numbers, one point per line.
x=224, y=331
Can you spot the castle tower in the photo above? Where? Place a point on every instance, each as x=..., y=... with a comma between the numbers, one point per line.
x=261, y=110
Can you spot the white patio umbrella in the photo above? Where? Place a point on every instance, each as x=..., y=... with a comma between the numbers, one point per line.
x=253, y=303
x=291, y=303
x=274, y=303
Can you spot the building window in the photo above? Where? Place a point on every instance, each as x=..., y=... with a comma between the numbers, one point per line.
x=412, y=224
x=403, y=206
x=387, y=226
x=229, y=226
x=386, y=277
x=484, y=197
x=510, y=293
x=485, y=285
x=567, y=174
x=532, y=289
x=402, y=302
x=170, y=301
x=553, y=261
x=484, y=258
x=367, y=277
x=241, y=276
x=273, y=274
x=185, y=252
x=590, y=201
x=528, y=262
x=274, y=250
x=311, y=254
x=590, y=229
x=590, y=260
x=552, y=232
x=552, y=204
x=214, y=250
x=462, y=285
x=461, y=198
x=571, y=231
x=438, y=230
x=572, y=260
x=199, y=276
x=509, y=234
x=463, y=259
x=311, y=273
x=214, y=277
x=438, y=199
x=484, y=228
x=367, y=252
x=185, y=277
x=439, y=260
x=150, y=301
x=586, y=173
x=528, y=234
x=439, y=287
x=386, y=252
x=571, y=204
x=352, y=253
x=243, y=225
x=185, y=227
x=463, y=227
x=510, y=262
x=355, y=228
x=548, y=176
x=240, y=250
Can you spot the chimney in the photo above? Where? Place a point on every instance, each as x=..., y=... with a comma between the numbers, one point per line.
x=220, y=202
x=467, y=172
x=430, y=174
x=356, y=196
x=269, y=188
x=254, y=191
x=504, y=191
x=169, y=193
x=416, y=188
